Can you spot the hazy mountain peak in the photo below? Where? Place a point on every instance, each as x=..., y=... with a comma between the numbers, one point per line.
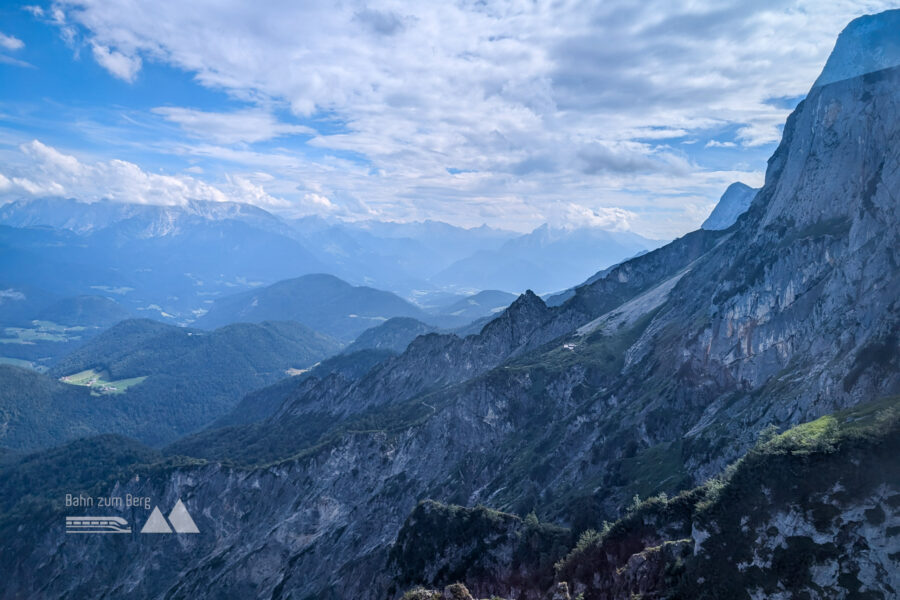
x=154, y=219
x=733, y=203
x=528, y=302
x=869, y=43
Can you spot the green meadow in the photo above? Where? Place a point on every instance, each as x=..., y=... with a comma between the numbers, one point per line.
x=100, y=383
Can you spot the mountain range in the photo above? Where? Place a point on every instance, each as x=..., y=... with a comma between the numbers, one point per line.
x=171, y=262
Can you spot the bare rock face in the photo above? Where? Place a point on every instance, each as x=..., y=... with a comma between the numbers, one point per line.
x=868, y=44
x=804, y=297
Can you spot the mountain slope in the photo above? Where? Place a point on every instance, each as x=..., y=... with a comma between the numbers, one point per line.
x=525, y=324
x=37, y=411
x=436, y=362
x=151, y=381
x=393, y=335
x=261, y=404
x=805, y=513
x=85, y=311
x=332, y=306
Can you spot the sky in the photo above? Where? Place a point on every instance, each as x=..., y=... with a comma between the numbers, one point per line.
x=617, y=114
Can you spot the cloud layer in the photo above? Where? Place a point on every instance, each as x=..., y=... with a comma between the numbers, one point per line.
x=510, y=112
x=50, y=172
x=230, y=128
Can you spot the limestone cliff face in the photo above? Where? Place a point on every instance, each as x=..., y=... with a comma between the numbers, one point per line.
x=868, y=44
x=649, y=379
x=800, y=313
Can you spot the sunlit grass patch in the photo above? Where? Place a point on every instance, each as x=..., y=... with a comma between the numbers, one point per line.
x=100, y=383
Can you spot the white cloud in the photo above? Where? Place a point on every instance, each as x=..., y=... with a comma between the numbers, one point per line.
x=50, y=160
x=49, y=172
x=538, y=104
x=318, y=201
x=9, y=42
x=718, y=144
x=244, y=190
x=228, y=128
x=11, y=294
x=576, y=215
x=122, y=66
x=757, y=134
x=8, y=60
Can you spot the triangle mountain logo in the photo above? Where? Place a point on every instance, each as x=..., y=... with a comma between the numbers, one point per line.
x=181, y=519
x=156, y=523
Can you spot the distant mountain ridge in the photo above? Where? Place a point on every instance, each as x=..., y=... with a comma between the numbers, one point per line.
x=151, y=220
x=483, y=304
x=173, y=261
x=547, y=259
x=393, y=335
x=167, y=262
x=400, y=257
x=333, y=306
x=733, y=203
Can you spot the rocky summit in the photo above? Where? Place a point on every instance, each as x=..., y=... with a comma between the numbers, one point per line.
x=717, y=418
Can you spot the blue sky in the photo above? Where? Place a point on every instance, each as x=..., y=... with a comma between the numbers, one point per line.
x=615, y=114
